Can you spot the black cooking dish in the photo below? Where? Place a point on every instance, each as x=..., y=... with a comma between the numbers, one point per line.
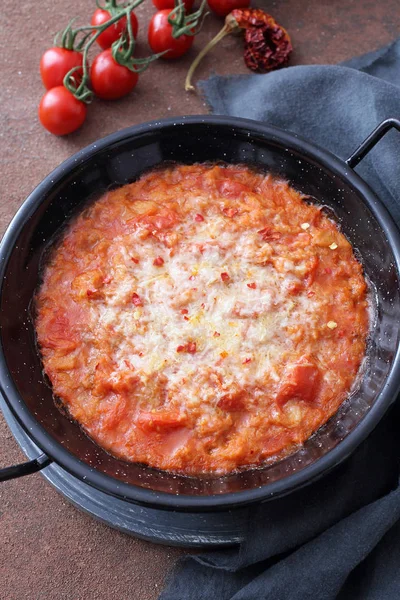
x=121, y=158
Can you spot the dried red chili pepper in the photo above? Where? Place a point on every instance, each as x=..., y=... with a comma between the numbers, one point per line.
x=267, y=45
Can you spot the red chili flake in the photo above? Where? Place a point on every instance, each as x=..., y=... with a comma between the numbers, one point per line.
x=90, y=293
x=216, y=334
x=191, y=277
x=186, y=318
x=140, y=353
x=225, y=277
x=252, y=286
x=203, y=305
x=135, y=260
x=267, y=45
x=137, y=301
x=199, y=218
x=246, y=360
x=190, y=348
x=310, y=294
x=158, y=262
x=184, y=311
x=230, y=212
x=268, y=235
x=328, y=271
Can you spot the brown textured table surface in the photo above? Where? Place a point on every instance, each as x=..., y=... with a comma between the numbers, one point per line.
x=49, y=550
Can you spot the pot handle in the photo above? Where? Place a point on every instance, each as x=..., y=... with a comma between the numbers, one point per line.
x=371, y=140
x=32, y=466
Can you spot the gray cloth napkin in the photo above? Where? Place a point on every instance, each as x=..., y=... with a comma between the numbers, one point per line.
x=339, y=537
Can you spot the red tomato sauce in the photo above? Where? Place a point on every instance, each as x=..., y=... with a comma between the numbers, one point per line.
x=202, y=319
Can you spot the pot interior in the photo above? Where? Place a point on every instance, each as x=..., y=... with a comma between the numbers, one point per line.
x=121, y=161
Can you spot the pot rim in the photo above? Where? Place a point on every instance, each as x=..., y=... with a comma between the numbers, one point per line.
x=165, y=500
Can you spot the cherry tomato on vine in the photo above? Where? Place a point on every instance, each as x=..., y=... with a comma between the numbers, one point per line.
x=112, y=33
x=161, y=4
x=224, y=7
x=60, y=112
x=55, y=64
x=160, y=37
x=109, y=79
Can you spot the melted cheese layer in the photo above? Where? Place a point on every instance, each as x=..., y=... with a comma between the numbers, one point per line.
x=202, y=319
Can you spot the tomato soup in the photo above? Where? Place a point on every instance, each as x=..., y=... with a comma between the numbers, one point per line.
x=202, y=319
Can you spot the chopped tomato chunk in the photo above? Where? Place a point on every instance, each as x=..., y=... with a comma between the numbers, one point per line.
x=161, y=420
x=268, y=235
x=231, y=188
x=302, y=382
x=232, y=401
x=157, y=222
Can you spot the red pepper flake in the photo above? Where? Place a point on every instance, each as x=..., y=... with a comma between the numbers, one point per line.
x=158, y=262
x=268, y=235
x=184, y=311
x=137, y=301
x=191, y=277
x=190, y=348
x=135, y=260
x=199, y=218
x=252, y=286
x=186, y=318
x=246, y=360
x=90, y=293
x=328, y=271
x=230, y=212
x=225, y=277
x=216, y=334
x=310, y=294
x=140, y=354
x=203, y=305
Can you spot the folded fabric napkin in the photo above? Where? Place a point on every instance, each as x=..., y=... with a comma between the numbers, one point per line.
x=339, y=537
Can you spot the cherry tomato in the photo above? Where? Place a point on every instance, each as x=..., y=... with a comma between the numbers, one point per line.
x=161, y=4
x=109, y=79
x=160, y=37
x=224, y=7
x=60, y=112
x=55, y=64
x=112, y=33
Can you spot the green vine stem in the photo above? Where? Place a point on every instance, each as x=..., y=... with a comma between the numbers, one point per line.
x=122, y=49
x=183, y=24
x=231, y=25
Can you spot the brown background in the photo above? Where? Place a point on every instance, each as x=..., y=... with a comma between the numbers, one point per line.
x=49, y=550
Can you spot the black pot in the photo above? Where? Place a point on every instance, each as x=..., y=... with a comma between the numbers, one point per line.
x=121, y=158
